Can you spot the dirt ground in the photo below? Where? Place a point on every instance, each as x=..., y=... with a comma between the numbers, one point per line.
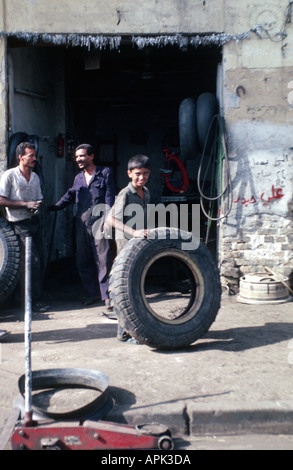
x=244, y=359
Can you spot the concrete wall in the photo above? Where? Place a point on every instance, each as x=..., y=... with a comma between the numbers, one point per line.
x=115, y=17
x=259, y=118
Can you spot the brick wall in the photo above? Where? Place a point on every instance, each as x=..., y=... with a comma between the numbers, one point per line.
x=267, y=241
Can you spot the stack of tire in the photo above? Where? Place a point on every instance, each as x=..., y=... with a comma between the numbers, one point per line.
x=9, y=260
x=195, y=118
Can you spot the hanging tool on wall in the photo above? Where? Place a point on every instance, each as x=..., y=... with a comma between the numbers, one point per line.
x=174, y=163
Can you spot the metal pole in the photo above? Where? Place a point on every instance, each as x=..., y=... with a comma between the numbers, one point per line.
x=28, y=317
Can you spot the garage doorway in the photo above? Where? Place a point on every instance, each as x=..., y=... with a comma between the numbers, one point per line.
x=127, y=101
x=123, y=100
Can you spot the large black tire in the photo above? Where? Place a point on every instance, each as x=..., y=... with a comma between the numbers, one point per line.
x=187, y=129
x=9, y=260
x=206, y=108
x=128, y=290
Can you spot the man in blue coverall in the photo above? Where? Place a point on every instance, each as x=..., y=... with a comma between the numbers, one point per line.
x=93, y=185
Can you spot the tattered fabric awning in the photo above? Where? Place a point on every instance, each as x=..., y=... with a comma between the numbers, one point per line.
x=97, y=41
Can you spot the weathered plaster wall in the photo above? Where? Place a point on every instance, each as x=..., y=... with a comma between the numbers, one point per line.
x=259, y=119
x=141, y=17
x=115, y=17
x=258, y=230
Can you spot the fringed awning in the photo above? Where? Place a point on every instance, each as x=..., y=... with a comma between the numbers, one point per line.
x=97, y=41
x=184, y=41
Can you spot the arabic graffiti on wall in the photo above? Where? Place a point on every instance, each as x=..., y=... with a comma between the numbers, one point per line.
x=265, y=199
x=269, y=179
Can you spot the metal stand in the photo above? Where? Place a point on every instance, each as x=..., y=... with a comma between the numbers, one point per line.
x=27, y=333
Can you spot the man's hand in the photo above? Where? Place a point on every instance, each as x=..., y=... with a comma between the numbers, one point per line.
x=33, y=205
x=29, y=205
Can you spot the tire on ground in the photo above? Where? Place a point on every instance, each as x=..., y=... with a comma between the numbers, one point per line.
x=127, y=289
x=9, y=260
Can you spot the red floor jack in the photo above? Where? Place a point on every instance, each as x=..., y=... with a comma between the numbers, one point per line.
x=48, y=434
x=88, y=436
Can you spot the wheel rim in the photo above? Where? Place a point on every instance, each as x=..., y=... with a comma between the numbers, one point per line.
x=182, y=306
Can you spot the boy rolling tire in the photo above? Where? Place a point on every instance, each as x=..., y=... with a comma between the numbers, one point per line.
x=128, y=290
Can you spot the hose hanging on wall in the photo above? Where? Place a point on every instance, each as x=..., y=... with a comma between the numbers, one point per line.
x=218, y=158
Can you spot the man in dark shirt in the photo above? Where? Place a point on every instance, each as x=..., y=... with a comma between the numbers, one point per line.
x=92, y=186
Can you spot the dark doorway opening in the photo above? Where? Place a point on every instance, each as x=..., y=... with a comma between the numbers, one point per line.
x=126, y=101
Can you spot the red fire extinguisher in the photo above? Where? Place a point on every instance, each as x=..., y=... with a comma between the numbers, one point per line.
x=60, y=146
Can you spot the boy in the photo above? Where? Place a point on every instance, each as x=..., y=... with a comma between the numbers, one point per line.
x=134, y=198
x=134, y=194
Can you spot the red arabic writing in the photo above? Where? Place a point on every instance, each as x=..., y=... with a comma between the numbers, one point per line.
x=275, y=195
